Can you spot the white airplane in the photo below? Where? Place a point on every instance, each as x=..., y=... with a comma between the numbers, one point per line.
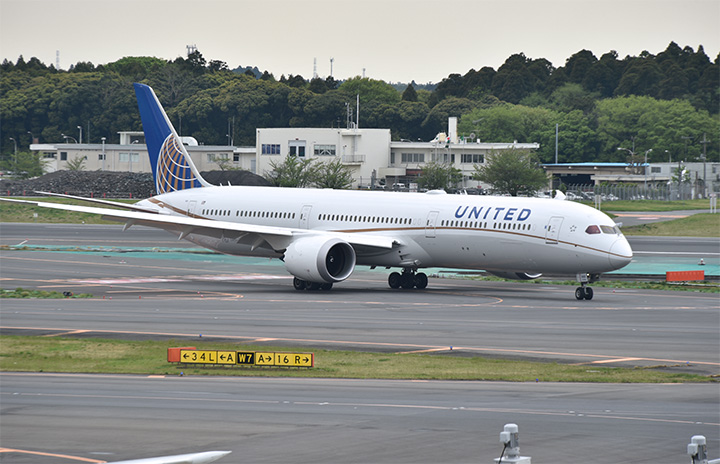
x=322, y=235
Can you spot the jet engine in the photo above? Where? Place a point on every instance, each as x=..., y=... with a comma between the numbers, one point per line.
x=320, y=259
x=515, y=275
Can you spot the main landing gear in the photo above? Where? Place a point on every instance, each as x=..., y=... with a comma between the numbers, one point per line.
x=408, y=279
x=583, y=292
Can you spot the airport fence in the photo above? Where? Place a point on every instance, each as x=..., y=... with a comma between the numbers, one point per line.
x=591, y=192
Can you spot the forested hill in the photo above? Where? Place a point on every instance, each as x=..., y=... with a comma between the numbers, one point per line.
x=665, y=102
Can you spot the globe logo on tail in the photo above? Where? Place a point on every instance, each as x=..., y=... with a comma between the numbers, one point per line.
x=173, y=170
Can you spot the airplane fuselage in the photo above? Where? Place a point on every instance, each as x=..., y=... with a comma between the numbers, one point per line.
x=430, y=229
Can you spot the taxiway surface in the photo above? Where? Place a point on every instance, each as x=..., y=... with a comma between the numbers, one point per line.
x=182, y=295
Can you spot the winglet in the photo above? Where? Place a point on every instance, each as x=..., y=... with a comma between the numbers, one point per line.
x=171, y=165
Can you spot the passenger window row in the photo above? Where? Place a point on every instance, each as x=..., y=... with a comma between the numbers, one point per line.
x=255, y=214
x=367, y=219
x=484, y=225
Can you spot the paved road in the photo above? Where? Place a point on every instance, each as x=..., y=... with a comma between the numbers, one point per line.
x=265, y=420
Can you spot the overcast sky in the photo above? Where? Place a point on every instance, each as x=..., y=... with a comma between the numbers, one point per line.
x=393, y=40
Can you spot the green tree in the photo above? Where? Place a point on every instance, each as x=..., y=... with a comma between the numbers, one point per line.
x=24, y=165
x=370, y=90
x=332, y=175
x=513, y=172
x=292, y=172
x=410, y=94
x=76, y=164
x=435, y=176
x=649, y=123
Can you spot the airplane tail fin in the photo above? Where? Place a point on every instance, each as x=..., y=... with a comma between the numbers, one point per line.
x=171, y=165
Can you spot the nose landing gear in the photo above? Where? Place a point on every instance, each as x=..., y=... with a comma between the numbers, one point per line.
x=583, y=292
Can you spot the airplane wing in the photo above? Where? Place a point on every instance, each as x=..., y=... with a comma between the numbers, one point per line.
x=114, y=204
x=278, y=237
x=193, y=458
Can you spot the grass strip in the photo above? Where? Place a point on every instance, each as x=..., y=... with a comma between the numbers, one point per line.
x=78, y=355
x=697, y=225
x=39, y=294
x=653, y=205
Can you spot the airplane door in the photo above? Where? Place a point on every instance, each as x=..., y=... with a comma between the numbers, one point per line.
x=430, y=224
x=305, y=216
x=552, y=230
x=191, y=208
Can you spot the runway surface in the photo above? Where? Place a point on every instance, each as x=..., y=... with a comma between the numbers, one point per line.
x=181, y=295
x=350, y=421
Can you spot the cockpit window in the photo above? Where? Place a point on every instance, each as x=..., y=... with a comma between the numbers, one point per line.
x=592, y=230
x=610, y=230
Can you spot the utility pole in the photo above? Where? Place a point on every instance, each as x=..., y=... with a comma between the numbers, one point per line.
x=556, y=143
x=704, y=158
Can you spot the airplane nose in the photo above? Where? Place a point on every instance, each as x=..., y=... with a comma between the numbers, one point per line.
x=620, y=254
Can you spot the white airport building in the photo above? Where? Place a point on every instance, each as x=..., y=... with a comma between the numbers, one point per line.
x=373, y=156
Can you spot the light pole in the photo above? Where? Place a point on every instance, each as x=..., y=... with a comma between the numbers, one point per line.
x=15, y=152
x=103, y=152
x=69, y=137
x=704, y=158
x=645, y=168
x=632, y=160
x=130, y=157
x=80, y=127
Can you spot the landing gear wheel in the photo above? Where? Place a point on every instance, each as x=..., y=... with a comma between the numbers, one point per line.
x=394, y=280
x=584, y=293
x=299, y=284
x=313, y=286
x=580, y=293
x=407, y=280
x=326, y=286
x=421, y=280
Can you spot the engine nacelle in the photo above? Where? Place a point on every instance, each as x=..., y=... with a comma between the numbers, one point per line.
x=320, y=259
x=515, y=275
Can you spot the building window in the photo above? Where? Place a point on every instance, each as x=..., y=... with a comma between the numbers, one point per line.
x=63, y=156
x=412, y=157
x=101, y=156
x=212, y=157
x=236, y=157
x=443, y=158
x=128, y=157
x=655, y=169
x=324, y=150
x=297, y=148
x=270, y=149
x=472, y=158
